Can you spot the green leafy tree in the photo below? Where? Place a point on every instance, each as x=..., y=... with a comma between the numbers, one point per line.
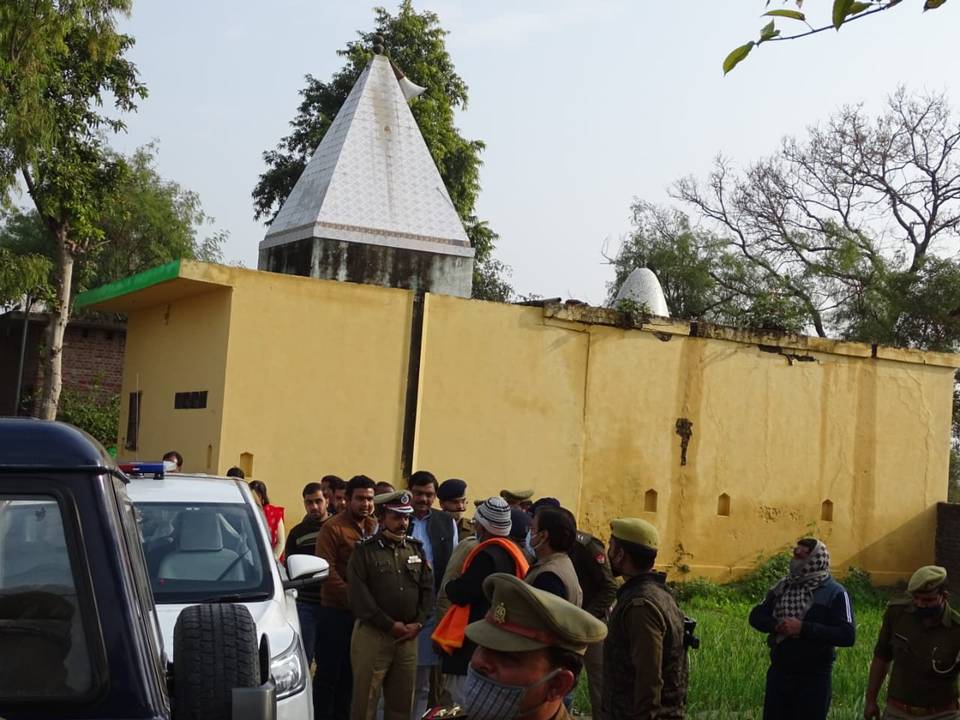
x=415, y=42
x=147, y=221
x=842, y=12
x=94, y=410
x=59, y=61
x=144, y=221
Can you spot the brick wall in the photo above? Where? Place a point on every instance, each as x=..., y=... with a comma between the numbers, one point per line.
x=948, y=541
x=92, y=355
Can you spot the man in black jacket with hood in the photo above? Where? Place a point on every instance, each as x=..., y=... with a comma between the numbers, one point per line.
x=806, y=616
x=302, y=540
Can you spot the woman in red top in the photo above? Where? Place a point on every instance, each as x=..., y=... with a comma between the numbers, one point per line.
x=274, y=516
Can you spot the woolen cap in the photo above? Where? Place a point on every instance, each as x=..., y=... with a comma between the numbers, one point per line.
x=523, y=618
x=494, y=515
x=515, y=496
x=636, y=531
x=452, y=489
x=927, y=579
x=398, y=502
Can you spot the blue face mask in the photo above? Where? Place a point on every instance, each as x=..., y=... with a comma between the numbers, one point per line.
x=528, y=546
x=486, y=699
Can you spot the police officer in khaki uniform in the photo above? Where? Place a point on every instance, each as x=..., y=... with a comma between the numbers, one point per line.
x=644, y=656
x=522, y=499
x=920, y=638
x=391, y=591
x=452, y=495
x=529, y=654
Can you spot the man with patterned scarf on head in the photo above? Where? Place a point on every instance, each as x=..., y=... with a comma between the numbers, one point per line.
x=806, y=616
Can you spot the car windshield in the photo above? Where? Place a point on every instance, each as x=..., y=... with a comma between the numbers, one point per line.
x=204, y=552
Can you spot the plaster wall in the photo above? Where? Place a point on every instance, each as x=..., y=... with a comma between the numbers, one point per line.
x=778, y=437
x=317, y=376
x=309, y=377
x=177, y=346
x=501, y=399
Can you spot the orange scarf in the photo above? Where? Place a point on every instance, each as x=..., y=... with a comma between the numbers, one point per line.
x=452, y=627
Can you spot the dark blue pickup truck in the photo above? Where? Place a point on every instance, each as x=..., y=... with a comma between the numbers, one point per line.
x=78, y=629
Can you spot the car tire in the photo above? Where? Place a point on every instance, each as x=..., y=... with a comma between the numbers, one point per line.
x=214, y=651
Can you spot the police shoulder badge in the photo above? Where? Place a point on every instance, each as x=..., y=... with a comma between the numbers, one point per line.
x=500, y=613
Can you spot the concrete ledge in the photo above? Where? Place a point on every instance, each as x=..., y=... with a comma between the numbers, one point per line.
x=767, y=341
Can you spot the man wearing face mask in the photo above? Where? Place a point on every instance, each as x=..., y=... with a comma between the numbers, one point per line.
x=391, y=592
x=806, y=615
x=919, y=645
x=529, y=653
x=644, y=657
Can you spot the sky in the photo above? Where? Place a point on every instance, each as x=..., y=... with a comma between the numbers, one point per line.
x=584, y=106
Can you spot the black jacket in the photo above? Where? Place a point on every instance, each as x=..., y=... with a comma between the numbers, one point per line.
x=441, y=528
x=468, y=590
x=302, y=540
x=589, y=558
x=827, y=625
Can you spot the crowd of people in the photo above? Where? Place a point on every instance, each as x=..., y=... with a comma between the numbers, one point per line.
x=426, y=610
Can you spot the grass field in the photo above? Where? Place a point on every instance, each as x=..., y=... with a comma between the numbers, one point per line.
x=727, y=672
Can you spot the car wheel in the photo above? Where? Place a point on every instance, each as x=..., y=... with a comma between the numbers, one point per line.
x=214, y=651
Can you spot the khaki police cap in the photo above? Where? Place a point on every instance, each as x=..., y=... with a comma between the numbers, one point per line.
x=927, y=579
x=515, y=496
x=398, y=502
x=636, y=531
x=523, y=618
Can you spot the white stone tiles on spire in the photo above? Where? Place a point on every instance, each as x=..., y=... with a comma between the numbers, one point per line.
x=372, y=179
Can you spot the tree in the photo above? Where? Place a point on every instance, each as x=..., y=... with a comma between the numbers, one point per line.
x=699, y=276
x=415, y=42
x=147, y=221
x=144, y=221
x=58, y=59
x=843, y=12
x=855, y=226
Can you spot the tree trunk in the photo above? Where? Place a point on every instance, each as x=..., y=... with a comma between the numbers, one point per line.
x=60, y=315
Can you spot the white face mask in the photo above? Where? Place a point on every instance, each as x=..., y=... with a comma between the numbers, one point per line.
x=486, y=699
x=535, y=544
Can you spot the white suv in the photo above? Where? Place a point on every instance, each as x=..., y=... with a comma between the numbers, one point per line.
x=205, y=541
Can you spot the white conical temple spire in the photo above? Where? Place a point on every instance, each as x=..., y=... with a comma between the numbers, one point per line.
x=372, y=180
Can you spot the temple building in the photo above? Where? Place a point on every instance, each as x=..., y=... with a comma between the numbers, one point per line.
x=371, y=207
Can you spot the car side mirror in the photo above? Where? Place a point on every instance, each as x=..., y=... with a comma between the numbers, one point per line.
x=305, y=570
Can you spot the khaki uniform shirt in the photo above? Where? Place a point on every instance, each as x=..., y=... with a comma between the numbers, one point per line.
x=465, y=528
x=644, y=659
x=926, y=660
x=389, y=582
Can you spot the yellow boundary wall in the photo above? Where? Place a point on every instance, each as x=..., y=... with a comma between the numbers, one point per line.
x=733, y=444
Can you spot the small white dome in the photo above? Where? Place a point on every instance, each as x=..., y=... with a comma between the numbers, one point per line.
x=642, y=287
